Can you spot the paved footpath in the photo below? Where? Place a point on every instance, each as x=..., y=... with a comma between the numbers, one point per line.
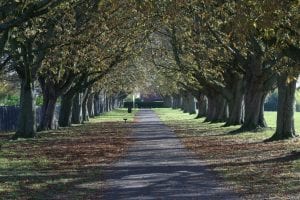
x=158, y=166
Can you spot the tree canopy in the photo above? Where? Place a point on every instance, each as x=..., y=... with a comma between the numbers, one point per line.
x=226, y=54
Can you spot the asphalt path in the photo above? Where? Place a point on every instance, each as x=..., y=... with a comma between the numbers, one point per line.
x=158, y=166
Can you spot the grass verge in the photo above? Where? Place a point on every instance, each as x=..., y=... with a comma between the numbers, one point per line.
x=257, y=170
x=66, y=163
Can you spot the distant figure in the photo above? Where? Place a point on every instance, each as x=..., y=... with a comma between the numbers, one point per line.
x=129, y=109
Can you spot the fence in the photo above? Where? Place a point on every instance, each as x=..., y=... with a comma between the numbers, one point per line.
x=9, y=117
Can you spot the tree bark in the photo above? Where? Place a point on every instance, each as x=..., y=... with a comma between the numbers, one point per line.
x=259, y=81
x=65, y=114
x=254, y=107
x=168, y=101
x=27, y=116
x=48, y=107
x=180, y=102
x=77, y=108
x=235, y=105
x=97, y=104
x=48, y=112
x=85, y=113
x=202, y=106
x=221, y=113
x=255, y=96
x=91, y=105
x=210, y=109
x=285, y=127
x=217, y=109
x=52, y=90
x=111, y=103
x=107, y=104
x=175, y=101
x=191, y=104
x=185, y=106
x=104, y=103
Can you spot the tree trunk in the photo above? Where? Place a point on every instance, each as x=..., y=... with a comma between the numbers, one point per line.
x=49, y=105
x=191, y=104
x=27, y=116
x=185, y=103
x=77, y=109
x=202, y=106
x=65, y=114
x=235, y=106
x=175, y=101
x=97, y=104
x=256, y=91
x=180, y=105
x=111, y=103
x=168, y=101
x=104, y=103
x=85, y=113
x=107, y=104
x=101, y=104
x=217, y=109
x=235, y=112
x=91, y=105
x=180, y=102
x=285, y=127
x=210, y=109
x=112, y=100
x=254, y=108
x=48, y=111
x=221, y=113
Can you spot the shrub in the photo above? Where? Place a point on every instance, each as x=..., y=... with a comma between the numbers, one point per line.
x=10, y=100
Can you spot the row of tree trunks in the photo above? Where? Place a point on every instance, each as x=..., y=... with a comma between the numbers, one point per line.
x=75, y=108
x=78, y=108
x=248, y=109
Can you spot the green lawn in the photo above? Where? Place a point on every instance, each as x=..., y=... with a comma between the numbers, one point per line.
x=170, y=115
x=65, y=163
x=271, y=120
x=256, y=169
x=117, y=115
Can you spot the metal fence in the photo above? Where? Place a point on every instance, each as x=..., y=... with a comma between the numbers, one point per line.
x=9, y=117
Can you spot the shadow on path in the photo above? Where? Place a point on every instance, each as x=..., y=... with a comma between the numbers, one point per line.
x=158, y=166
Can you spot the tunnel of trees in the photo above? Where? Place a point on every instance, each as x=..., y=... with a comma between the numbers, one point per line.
x=87, y=55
